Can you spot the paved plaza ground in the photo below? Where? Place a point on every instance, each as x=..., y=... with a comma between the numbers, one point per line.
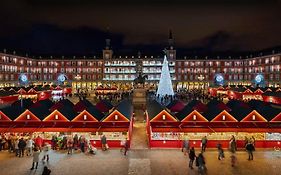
x=141, y=162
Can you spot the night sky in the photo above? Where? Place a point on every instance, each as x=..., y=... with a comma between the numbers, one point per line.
x=69, y=27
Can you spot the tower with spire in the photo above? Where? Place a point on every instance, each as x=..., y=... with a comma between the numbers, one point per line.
x=170, y=51
x=107, y=51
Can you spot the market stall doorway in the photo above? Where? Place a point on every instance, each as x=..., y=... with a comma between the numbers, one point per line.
x=139, y=137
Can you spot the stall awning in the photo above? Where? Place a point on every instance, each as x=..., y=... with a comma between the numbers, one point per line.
x=224, y=116
x=27, y=116
x=254, y=116
x=56, y=116
x=194, y=116
x=84, y=116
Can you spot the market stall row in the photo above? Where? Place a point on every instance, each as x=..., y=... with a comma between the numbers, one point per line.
x=62, y=120
x=217, y=121
x=267, y=94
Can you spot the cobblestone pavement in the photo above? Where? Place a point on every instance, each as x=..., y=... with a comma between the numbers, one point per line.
x=141, y=162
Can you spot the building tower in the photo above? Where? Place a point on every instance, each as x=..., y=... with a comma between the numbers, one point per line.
x=107, y=51
x=165, y=86
x=171, y=52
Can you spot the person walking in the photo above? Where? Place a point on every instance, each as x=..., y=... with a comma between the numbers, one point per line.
x=39, y=142
x=103, y=143
x=82, y=144
x=69, y=145
x=29, y=146
x=192, y=157
x=250, y=148
x=232, y=144
x=220, y=152
x=204, y=143
x=22, y=145
x=36, y=154
x=126, y=146
x=185, y=146
x=46, y=152
x=17, y=150
x=200, y=162
x=75, y=141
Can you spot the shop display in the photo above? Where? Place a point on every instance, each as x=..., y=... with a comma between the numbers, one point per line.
x=210, y=136
x=272, y=136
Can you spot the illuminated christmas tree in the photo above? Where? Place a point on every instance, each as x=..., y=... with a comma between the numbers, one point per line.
x=165, y=86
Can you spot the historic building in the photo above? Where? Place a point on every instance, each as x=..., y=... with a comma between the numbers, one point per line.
x=120, y=71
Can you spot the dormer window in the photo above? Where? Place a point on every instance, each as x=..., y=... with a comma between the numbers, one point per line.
x=116, y=117
x=28, y=117
x=194, y=117
x=85, y=117
x=223, y=117
x=164, y=117
x=253, y=117
x=56, y=117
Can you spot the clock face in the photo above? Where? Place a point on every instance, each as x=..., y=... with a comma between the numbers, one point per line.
x=61, y=78
x=219, y=78
x=258, y=78
x=23, y=79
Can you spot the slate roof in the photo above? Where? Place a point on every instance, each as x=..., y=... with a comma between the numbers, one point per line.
x=125, y=108
x=95, y=113
x=26, y=103
x=154, y=108
x=211, y=113
x=68, y=112
x=184, y=112
x=12, y=111
x=239, y=113
x=40, y=111
x=268, y=112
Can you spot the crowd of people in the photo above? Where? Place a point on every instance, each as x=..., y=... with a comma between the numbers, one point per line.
x=200, y=162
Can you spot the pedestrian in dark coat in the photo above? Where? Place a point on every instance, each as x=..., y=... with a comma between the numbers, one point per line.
x=250, y=148
x=21, y=145
x=46, y=171
x=126, y=146
x=191, y=157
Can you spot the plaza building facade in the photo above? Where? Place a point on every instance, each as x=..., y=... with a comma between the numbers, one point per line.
x=111, y=70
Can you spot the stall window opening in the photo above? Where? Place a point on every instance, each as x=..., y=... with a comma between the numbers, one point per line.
x=194, y=117
x=253, y=117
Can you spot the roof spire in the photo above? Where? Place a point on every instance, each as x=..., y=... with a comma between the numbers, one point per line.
x=107, y=40
x=171, y=39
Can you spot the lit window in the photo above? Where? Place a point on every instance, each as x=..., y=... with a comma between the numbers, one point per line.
x=253, y=117
x=56, y=117
x=28, y=117
x=85, y=117
x=194, y=117
x=164, y=117
x=116, y=117
x=223, y=117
